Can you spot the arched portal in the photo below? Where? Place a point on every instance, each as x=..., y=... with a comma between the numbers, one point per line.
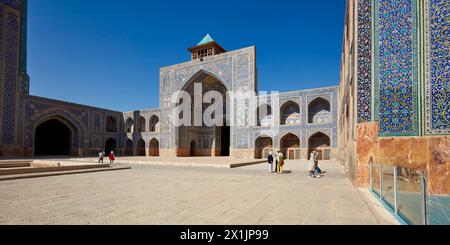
x=110, y=145
x=319, y=111
x=129, y=125
x=111, y=125
x=154, y=148
x=200, y=131
x=129, y=148
x=53, y=138
x=321, y=142
x=264, y=115
x=290, y=113
x=140, y=125
x=140, y=148
x=193, y=149
x=154, y=124
x=290, y=146
x=263, y=145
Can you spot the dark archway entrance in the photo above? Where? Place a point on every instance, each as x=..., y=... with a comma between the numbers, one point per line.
x=154, y=124
x=110, y=145
x=210, y=139
x=193, y=148
x=321, y=142
x=141, y=148
x=154, y=148
x=263, y=145
x=53, y=138
x=129, y=148
x=225, y=141
x=290, y=146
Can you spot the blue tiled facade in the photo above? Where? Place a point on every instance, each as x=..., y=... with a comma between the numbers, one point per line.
x=364, y=61
x=411, y=91
x=23, y=113
x=11, y=3
x=437, y=86
x=396, y=68
x=10, y=77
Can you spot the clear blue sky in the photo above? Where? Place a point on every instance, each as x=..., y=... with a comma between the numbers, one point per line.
x=107, y=53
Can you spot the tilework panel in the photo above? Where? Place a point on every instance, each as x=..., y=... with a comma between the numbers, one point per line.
x=11, y=3
x=23, y=36
x=1, y=29
x=220, y=68
x=396, y=63
x=10, y=77
x=243, y=68
x=1, y=60
x=437, y=83
x=364, y=61
x=24, y=79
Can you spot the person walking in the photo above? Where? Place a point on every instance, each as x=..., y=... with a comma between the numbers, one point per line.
x=101, y=155
x=275, y=162
x=270, y=161
x=318, y=171
x=312, y=165
x=112, y=157
x=280, y=162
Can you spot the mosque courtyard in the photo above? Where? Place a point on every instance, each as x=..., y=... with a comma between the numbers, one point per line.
x=192, y=195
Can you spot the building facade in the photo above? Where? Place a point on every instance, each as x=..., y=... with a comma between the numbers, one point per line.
x=294, y=122
x=394, y=98
x=33, y=126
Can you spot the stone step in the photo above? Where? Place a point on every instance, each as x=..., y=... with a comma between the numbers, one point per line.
x=14, y=164
x=58, y=173
x=29, y=170
x=243, y=164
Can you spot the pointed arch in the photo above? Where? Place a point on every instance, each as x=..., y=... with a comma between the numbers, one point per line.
x=111, y=125
x=110, y=145
x=129, y=125
x=140, y=148
x=219, y=133
x=53, y=137
x=290, y=113
x=77, y=126
x=154, y=124
x=200, y=75
x=264, y=114
x=140, y=125
x=263, y=144
x=290, y=146
x=154, y=148
x=129, y=148
x=322, y=143
x=319, y=111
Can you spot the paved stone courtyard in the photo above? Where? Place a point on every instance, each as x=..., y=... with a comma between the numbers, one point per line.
x=150, y=194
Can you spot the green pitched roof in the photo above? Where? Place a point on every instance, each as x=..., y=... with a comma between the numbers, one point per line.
x=205, y=40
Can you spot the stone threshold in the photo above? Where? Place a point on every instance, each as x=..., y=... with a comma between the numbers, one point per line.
x=59, y=173
x=168, y=162
x=196, y=165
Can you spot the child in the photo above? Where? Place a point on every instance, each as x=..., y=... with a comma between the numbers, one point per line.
x=112, y=157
